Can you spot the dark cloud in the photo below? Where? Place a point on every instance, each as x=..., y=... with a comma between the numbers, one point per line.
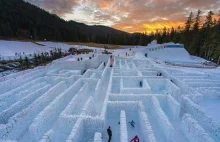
x=129, y=14
x=59, y=7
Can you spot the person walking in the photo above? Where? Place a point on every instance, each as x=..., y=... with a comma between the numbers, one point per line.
x=132, y=123
x=135, y=139
x=141, y=83
x=109, y=133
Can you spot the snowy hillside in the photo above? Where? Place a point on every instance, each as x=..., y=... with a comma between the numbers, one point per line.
x=169, y=52
x=8, y=49
x=76, y=101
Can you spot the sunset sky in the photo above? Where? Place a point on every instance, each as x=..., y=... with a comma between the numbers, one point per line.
x=128, y=15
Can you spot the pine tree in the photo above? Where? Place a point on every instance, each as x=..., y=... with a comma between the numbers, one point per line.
x=21, y=62
x=172, y=34
x=189, y=22
x=197, y=38
x=26, y=60
x=36, y=59
x=43, y=60
x=209, y=20
x=196, y=24
x=187, y=36
x=39, y=59
x=207, y=48
x=164, y=35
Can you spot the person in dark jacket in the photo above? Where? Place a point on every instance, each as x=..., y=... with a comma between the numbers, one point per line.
x=141, y=83
x=132, y=123
x=109, y=133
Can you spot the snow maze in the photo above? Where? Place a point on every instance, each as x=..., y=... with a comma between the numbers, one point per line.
x=71, y=101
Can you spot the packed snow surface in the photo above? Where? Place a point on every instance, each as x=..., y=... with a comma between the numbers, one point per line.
x=76, y=101
x=10, y=50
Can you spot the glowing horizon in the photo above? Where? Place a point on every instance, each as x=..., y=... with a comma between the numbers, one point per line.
x=129, y=15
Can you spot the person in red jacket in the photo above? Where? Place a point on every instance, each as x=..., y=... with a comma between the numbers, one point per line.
x=135, y=139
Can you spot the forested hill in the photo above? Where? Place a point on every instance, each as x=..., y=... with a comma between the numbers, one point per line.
x=22, y=20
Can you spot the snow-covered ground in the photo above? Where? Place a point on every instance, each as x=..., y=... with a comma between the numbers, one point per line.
x=76, y=101
x=10, y=50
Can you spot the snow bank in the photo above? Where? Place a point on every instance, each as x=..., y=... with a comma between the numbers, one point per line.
x=123, y=127
x=52, y=45
x=64, y=125
x=88, y=73
x=9, y=98
x=181, y=89
x=132, y=86
x=77, y=132
x=162, y=119
x=116, y=106
x=193, y=131
x=145, y=124
x=96, y=75
x=203, y=119
x=21, y=73
x=173, y=107
x=20, y=121
x=149, y=73
x=9, y=48
x=146, y=98
x=125, y=73
x=98, y=137
x=163, y=86
x=101, y=66
x=101, y=81
x=31, y=89
x=48, y=137
x=94, y=124
x=21, y=104
x=203, y=84
x=16, y=82
x=77, y=101
x=89, y=108
x=209, y=92
x=69, y=80
x=79, y=65
x=48, y=116
x=168, y=52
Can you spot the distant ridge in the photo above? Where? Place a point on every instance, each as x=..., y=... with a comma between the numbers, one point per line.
x=22, y=20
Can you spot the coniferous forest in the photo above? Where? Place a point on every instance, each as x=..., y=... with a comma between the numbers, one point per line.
x=21, y=20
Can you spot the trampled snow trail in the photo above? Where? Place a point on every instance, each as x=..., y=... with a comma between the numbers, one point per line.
x=76, y=101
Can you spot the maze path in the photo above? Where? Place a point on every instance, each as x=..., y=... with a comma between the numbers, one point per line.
x=76, y=101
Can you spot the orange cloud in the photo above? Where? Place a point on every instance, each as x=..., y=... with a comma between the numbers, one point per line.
x=129, y=15
x=153, y=27
x=148, y=27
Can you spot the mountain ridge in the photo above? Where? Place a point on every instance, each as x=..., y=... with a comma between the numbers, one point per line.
x=22, y=20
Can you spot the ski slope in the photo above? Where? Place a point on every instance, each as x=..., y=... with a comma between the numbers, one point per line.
x=8, y=49
x=169, y=52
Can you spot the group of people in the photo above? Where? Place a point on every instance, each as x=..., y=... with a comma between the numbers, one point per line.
x=159, y=74
x=78, y=59
x=109, y=131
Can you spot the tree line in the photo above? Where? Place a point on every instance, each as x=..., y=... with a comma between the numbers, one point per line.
x=40, y=58
x=200, y=38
